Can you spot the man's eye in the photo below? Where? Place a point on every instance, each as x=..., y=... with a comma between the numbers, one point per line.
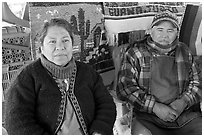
x=170, y=30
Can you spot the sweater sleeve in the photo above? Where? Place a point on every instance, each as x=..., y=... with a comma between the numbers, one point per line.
x=105, y=111
x=20, y=106
x=128, y=88
x=192, y=94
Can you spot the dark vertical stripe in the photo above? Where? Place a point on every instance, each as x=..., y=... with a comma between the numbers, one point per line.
x=189, y=23
x=102, y=8
x=195, y=28
x=184, y=24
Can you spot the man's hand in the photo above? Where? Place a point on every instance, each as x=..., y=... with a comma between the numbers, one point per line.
x=178, y=105
x=165, y=112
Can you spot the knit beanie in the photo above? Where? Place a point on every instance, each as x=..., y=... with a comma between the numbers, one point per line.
x=165, y=16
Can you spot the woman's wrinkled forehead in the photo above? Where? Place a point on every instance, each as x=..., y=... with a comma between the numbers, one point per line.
x=56, y=31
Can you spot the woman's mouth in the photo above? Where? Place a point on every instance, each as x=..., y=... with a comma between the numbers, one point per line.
x=60, y=55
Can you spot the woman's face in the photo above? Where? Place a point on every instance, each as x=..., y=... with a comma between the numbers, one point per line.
x=165, y=33
x=57, y=45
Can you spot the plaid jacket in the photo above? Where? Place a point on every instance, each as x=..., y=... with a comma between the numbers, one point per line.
x=134, y=76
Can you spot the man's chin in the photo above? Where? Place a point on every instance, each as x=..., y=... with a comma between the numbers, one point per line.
x=164, y=43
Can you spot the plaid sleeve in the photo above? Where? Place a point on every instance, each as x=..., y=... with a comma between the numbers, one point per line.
x=193, y=94
x=128, y=88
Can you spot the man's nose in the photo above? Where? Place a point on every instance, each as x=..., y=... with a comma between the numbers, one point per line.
x=165, y=34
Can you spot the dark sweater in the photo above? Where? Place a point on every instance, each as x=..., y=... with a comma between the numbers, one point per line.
x=34, y=100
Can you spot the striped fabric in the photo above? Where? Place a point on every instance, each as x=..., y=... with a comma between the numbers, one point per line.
x=191, y=28
x=134, y=77
x=70, y=124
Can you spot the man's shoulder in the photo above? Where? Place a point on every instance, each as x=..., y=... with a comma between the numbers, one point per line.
x=138, y=47
x=184, y=47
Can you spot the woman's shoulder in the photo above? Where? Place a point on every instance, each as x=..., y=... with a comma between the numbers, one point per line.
x=33, y=65
x=26, y=72
x=85, y=68
x=33, y=68
x=82, y=65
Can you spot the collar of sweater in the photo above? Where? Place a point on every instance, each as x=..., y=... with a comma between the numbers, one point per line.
x=59, y=72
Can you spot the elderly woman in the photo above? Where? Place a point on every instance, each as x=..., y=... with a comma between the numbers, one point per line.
x=56, y=94
x=159, y=78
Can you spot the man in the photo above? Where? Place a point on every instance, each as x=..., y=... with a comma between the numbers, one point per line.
x=158, y=76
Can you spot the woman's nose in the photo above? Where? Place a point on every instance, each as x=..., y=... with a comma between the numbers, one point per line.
x=59, y=46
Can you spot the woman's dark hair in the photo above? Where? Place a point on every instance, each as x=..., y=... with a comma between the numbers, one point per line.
x=55, y=22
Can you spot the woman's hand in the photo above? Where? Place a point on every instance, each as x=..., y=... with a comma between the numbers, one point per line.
x=165, y=112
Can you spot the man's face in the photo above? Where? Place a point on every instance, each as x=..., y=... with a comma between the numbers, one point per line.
x=164, y=34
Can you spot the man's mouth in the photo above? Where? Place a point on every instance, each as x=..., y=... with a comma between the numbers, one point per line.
x=164, y=41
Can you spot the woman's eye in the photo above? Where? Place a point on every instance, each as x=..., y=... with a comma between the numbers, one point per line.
x=66, y=40
x=52, y=41
x=160, y=30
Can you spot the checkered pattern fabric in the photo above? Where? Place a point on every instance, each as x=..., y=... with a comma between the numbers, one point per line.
x=134, y=77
